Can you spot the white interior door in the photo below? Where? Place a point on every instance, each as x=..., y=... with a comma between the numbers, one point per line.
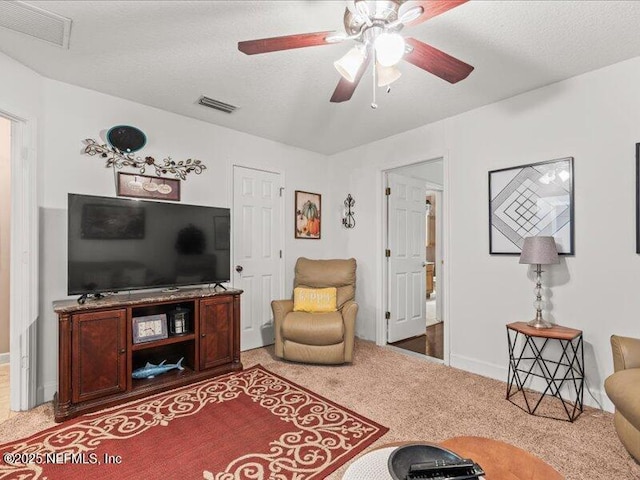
x=407, y=260
x=257, y=251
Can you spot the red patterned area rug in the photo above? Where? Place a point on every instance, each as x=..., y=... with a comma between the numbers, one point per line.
x=246, y=425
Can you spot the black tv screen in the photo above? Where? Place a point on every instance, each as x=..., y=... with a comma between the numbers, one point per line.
x=117, y=244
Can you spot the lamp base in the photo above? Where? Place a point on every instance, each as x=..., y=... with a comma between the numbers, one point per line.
x=539, y=323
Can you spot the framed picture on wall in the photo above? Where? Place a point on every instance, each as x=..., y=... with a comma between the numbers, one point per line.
x=144, y=186
x=531, y=200
x=308, y=215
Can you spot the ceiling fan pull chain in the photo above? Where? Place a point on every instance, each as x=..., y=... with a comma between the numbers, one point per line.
x=374, y=105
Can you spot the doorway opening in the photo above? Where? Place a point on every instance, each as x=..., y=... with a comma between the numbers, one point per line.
x=5, y=262
x=415, y=258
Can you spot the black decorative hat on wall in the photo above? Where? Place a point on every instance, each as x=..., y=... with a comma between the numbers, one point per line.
x=126, y=138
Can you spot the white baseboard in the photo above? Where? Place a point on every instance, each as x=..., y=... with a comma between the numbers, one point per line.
x=499, y=372
x=472, y=365
x=46, y=392
x=4, y=358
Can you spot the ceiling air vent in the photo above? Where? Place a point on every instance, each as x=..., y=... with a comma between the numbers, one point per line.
x=36, y=22
x=216, y=104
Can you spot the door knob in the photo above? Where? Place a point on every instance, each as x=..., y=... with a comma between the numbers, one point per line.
x=424, y=264
x=239, y=268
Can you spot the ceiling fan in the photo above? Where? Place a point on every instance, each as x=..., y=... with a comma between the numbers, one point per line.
x=375, y=25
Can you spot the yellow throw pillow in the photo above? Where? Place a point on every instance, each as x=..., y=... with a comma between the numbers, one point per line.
x=314, y=300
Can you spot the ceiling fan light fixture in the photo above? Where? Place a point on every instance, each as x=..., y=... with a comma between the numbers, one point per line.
x=411, y=14
x=335, y=37
x=387, y=75
x=350, y=63
x=362, y=10
x=389, y=48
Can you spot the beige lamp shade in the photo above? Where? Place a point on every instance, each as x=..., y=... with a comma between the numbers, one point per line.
x=539, y=251
x=349, y=65
x=387, y=75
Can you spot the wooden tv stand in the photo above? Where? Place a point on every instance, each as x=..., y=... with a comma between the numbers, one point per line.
x=97, y=355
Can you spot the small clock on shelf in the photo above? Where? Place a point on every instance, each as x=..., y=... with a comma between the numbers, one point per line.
x=149, y=327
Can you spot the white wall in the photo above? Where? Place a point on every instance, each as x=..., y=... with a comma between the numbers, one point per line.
x=72, y=114
x=595, y=118
x=19, y=88
x=432, y=172
x=5, y=237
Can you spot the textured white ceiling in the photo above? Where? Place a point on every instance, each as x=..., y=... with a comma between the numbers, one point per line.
x=168, y=53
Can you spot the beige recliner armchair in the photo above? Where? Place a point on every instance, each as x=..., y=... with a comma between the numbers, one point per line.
x=623, y=388
x=319, y=337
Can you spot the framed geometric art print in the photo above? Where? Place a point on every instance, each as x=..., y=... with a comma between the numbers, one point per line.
x=531, y=200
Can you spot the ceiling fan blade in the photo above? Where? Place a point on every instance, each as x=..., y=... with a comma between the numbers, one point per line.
x=344, y=90
x=274, y=44
x=431, y=8
x=436, y=61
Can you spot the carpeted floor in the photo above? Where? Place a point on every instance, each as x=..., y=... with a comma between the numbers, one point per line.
x=420, y=400
x=247, y=424
x=5, y=411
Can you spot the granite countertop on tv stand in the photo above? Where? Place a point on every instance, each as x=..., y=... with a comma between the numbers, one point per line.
x=126, y=299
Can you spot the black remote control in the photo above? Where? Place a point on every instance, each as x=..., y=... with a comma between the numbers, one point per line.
x=463, y=469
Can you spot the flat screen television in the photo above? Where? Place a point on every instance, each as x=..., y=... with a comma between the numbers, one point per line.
x=119, y=244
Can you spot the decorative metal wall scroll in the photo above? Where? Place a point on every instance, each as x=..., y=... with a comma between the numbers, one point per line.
x=117, y=159
x=349, y=221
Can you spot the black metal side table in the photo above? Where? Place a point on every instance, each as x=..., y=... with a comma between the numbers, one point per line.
x=529, y=359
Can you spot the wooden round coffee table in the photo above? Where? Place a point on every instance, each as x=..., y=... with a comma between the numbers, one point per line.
x=499, y=460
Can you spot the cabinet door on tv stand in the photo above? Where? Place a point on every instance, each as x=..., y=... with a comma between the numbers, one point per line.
x=98, y=358
x=216, y=331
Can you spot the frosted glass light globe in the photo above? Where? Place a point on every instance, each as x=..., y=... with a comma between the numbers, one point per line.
x=389, y=48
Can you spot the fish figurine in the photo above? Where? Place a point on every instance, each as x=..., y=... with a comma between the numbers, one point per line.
x=150, y=370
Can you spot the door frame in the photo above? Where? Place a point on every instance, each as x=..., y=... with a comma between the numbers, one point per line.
x=438, y=190
x=381, y=323
x=282, y=262
x=24, y=294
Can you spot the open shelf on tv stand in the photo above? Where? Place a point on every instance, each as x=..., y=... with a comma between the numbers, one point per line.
x=171, y=339
x=170, y=377
x=92, y=378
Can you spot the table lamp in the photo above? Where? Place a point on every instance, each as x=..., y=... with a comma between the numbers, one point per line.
x=539, y=251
